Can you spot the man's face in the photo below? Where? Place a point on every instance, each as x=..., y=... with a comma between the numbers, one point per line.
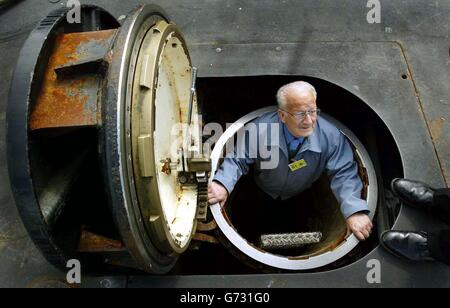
x=299, y=102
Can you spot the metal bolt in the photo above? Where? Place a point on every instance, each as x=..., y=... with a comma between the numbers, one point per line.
x=182, y=179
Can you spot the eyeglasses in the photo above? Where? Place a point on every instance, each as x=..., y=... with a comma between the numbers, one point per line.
x=302, y=114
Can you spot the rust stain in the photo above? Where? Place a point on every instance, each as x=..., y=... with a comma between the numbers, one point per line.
x=205, y=238
x=91, y=242
x=329, y=247
x=68, y=45
x=332, y=245
x=206, y=226
x=166, y=168
x=306, y=257
x=67, y=102
x=436, y=127
x=49, y=282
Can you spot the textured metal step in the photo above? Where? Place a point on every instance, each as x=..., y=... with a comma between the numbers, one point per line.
x=288, y=240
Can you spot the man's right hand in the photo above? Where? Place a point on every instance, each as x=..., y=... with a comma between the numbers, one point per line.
x=217, y=193
x=360, y=224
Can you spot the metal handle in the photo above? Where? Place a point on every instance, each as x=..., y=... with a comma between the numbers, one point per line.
x=191, y=98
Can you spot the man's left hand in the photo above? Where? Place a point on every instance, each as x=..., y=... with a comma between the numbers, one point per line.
x=360, y=225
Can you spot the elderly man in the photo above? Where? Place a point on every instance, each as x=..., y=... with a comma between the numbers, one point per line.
x=308, y=145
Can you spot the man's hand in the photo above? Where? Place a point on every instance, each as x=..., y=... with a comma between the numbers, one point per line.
x=360, y=225
x=217, y=193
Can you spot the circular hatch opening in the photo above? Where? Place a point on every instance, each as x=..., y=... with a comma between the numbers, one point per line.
x=226, y=99
x=282, y=219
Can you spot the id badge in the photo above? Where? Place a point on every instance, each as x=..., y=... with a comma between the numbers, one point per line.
x=297, y=164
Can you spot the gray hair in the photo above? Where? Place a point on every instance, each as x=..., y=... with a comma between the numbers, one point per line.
x=299, y=85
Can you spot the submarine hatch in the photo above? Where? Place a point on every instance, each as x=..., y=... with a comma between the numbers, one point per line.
x=105, y=168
